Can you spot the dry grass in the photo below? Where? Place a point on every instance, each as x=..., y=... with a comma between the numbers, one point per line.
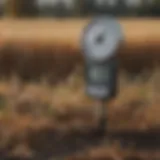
x=54, y=47
x=44, y=110
x=30, y=63
x=34, y=115
x=43, y=107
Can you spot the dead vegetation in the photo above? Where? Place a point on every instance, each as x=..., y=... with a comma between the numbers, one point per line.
x=39, y=120
x=45, y=114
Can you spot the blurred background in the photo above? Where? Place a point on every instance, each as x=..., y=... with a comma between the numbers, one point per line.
x=78, y=8
x=44, y=112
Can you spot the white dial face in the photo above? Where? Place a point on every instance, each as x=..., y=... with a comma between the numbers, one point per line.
x=102, y=38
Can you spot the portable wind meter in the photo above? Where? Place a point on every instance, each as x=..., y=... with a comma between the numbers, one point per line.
x=101, y=40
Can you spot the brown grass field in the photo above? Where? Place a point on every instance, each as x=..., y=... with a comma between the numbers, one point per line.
x=57, y=44
x=40, y=121
x=140, y=35
x=45, y=114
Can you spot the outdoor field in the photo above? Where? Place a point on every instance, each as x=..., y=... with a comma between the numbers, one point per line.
x=44, y=111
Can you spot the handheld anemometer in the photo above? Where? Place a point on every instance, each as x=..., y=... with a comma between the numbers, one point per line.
x=101, y=40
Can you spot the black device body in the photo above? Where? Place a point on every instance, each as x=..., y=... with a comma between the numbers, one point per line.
x=101, y=78
x=100, y=42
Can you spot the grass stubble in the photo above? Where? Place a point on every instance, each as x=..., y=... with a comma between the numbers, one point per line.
x=36, y=116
